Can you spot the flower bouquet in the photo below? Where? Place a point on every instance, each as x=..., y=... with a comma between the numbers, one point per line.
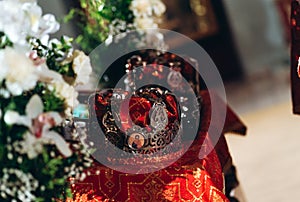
x=37, y=94
x=105, y=21
x=116, y=26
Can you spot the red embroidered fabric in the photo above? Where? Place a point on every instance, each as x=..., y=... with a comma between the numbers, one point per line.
x=188, y=179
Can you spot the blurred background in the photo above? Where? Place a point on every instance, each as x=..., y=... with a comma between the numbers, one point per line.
x=249, y=43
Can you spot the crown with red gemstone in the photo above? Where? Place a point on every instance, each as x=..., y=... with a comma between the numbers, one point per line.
x=143, y=122
x=149, y=118
x=177, y=73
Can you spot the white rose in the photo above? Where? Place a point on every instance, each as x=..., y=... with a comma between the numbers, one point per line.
x=82, y=67
x=21, y=72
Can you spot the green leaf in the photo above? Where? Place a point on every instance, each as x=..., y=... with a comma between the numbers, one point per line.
x=45, y=156
x=70, y=15
x=60, y=181
x=39, y=199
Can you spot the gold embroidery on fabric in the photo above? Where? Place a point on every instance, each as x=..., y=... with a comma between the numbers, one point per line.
x=215, y=194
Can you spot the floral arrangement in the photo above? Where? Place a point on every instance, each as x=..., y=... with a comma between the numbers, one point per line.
x=102, y=20
x=37, y=94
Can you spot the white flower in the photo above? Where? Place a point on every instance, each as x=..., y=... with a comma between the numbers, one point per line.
x=158, y=7
x=147, y=8
x=33, y=13
x=31, y=145
x=64, y=55
x=66, y=92
x=48, y=24
x=18, y=70
x=53, y=41
x=82, y=67
x=144, y=23
x=40, y=125
x=118, y=26
x=4, y=68
x=141, y=8
x=22, y=18
x=41, y=26
x=68, y=40
x=12, y=117
x=13, y=21
x=46, y=75
x=21, y=186
x=146, y=11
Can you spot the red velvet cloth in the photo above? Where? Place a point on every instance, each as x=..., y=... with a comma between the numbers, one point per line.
x=188, y=179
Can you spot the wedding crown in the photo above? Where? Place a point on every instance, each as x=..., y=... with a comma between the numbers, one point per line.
x=143, y=123
x=146, y=119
